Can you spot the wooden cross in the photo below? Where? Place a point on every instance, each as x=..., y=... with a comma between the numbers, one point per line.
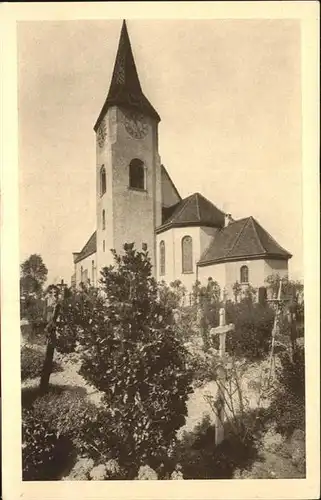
x=221, y=330
x=276, y=329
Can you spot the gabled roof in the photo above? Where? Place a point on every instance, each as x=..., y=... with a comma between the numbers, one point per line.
x=89, y=249
x=125, y=89
x=195, y=210
x=242, y=239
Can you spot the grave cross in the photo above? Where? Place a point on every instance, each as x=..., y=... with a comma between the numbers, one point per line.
x=221, y=330
x=278, y=301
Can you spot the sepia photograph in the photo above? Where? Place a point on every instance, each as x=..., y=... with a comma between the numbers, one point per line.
x=161, y=249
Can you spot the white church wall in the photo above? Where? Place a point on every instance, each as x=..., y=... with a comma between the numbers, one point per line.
x=168, y=238
x=187, y=279
x=105, y=237
x=173, y=255
x=136, y=213
x=233, y=273
x=215, y=271
x=85, y=269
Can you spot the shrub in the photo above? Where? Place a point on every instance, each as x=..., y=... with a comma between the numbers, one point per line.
x=130, y=351
x=32, y=363
x=63, y=423
x=66, y=412
x=202, y=363
x=43, y=449
x=33, y=309
x=288, y=404
x=253, y=329
x=172, y=295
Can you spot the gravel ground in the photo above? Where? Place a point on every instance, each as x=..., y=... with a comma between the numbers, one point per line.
x=69, y=376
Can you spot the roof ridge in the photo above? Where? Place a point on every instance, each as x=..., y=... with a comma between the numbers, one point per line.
x=185, y=202
x=254, y=222
x=236, y=220
x=238, y=237
x=270, y=236
x=212, y=242
x=198, y=206
x=93, y=234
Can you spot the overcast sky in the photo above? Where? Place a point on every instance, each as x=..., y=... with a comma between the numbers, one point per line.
x=228, y=93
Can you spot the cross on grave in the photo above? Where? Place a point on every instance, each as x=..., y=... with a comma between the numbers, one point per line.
x=278, y=301
x=221, y=330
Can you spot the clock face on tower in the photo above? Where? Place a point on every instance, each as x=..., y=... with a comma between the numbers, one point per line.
x=135, y=125
x=101, y=134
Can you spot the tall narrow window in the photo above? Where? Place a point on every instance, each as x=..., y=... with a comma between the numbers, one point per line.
x=104, y=246
x=187, y=254
x=136, y=174
x=102, y=180
x=81, y=274
x=93, y=271
x=244, y=274
x=162, y=258
x=103, y=220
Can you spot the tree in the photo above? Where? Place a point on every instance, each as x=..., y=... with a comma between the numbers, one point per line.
x=51, y=341
x=130, y=351
x=33, y=275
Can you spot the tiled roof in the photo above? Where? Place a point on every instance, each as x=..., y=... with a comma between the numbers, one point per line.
x=166, y=174
x=89, y=249
x=195, y=210
x=242, y=239
x=125, y=89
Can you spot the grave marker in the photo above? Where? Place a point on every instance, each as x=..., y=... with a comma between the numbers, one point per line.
x=221, y=330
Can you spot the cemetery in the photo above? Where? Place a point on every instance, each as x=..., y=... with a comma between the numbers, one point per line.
x=135, y=379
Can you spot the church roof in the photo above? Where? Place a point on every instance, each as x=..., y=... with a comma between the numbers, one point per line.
x=195, y=210
x=242, y=239
x=125, y=89
x=89, y=249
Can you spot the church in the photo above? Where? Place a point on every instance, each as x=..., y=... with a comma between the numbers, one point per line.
x=188, y=239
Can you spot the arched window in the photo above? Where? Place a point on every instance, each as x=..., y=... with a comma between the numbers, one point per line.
x=136, y=174
x=103, y=219
x=187, y=254
x=102, y=180
x=162, y=258
x=244, y=274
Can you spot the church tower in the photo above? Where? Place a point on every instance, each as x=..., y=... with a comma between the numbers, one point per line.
x=128, y=170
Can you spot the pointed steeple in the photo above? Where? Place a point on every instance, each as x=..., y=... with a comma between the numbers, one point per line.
x=125, y=89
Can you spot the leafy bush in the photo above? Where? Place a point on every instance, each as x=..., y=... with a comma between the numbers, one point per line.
x=202, y=363
x=32, y=363
x=172, y=295
x=253, y=329
x=65, y=411
x=130, y=351
x=43, y=449
x=288, y=403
